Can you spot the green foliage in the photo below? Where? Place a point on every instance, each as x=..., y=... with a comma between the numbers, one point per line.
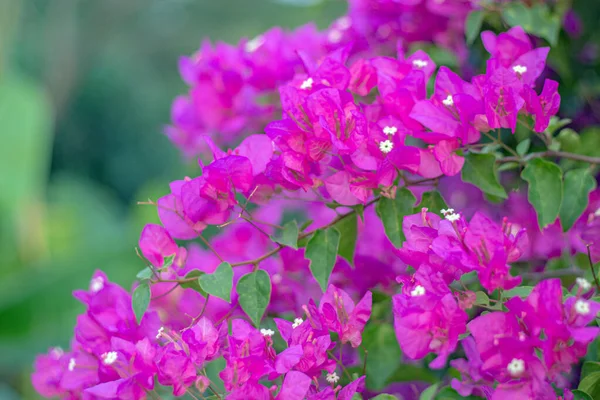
x=392, y=212
x=545, y=189
x=254, y=293
x=383, y=354
x=523, y=147
x=348, y=230
x=429, y=393
x=384, y=396
x=193, y=284
x=589, y=367
x=288, y=236
x=537, y=20
x=433, y=201
x=480, y=170
x=577, y=187
x=140, y=300
x=591, y=385
x=219, y=283
x=322, y=250
x=580, y=395
x=473, y=25
x=521, y=291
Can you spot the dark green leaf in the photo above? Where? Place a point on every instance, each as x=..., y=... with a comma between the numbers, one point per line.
x=577, y=187
x=288, y=236
x=384, y=396
x=521, y=291
x=306, y=224
x=145, y=274
x=589, y=367
x=569, y=140
x=482, y=299
x=480, y=170
x=348, y=231
x=555, y=124
x=447, y=393
x=579, y=395
x=411, y=372
x=322, y=251
x=523, y=147
x=473, y=25
x=508, y=166
x=194, y=284
x=140, y=300
x=433, y=201
x=360, y=210
x=254, y=294
x=384, y=354
x=392, y=212
x=591, y=385
x=545, y=189
x=219, y=283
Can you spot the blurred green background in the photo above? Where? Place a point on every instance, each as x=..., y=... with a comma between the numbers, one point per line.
x=85, y=88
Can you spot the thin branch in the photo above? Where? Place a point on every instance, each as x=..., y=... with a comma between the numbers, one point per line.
x=550, y=153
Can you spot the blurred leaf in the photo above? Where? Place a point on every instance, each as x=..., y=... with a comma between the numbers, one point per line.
x=480, y=170
x=140, y=300
x=473, y=25
x=589, y=367
x=219, y=283
x=447, y=393
x=348, y=230
x=383, y=354
x=545, y=189
x=288, y=236
x=482, y=299
x=322, y=250
x=577, y=187
x=521, y=291
x=254, y=294
x=523, y=147
x=591, y=385
x=144, y=274
x=392, y=211
x=429, y=393
x=569, y=140
x=194, y=284
x=579, y=395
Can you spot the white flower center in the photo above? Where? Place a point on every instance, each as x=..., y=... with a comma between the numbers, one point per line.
x=417, y=291
x=452, y=217
x=386, y=146
x=597, y=213
x=584, y=284
x=96, y=284
x=448, y=211
x=522, y=336
x=276, y=278
x=332, y=377
x=448, y=101
x=160, y=332
x=334, y=36
x=520, y=69
x=254, y=44
x=582, y=307
x=72, y=364
x=267, y=332
x=307, y=84
x=344, y=22
x=390, y=130
x=109, y=358
x=516, y=367
x=57, y=352
x=297, y=322
x=419, y=63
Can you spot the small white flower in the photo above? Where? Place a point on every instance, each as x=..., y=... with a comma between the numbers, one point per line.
x=267, y=332
x=516, y=367
x=597, y=213
x=96, y=284
x=72, y=364
x=307, y=84
x=386, y=146
x=522, y=336
x=390, y=130
x=520, y=69
x=448, y=211
x=297, y=322
x=254, y=44
x=419, y=63
x=452, y=217
x=276, y=278
x=332, y=377
x=334, y=36
x=57, y=352
x=448, y=101
x=160, y=332
x=582, y=307
x=435, y=344
x=109, y=358
x=344, y=22
x=417, y=291
x=584, y=284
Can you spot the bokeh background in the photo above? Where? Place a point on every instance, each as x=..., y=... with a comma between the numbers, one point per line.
x=85, y=89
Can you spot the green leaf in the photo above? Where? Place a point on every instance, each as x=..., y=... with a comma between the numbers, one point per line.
x=536, y=20
x=392, y=211
x=508, y=166
x=447, y=393
x=288, y=236
x=322, y=251
x=145, y=274
x=516, y=14
x=411, y=372
x=140, y=300
x=591, y=385
x=545, y=189
x=433, y=201
x=384, y=396
x=360, y=210
x=569, y=140
x=579, y=395
x=383, y=354
x=523, y=147
x=194, y=284
x=429, y=393
x=306, y=224
x=168, y=261
x=254, y=294
x=480, y=170
x=473, y=25
x=589, y=367
x=481, y=299
x=555, y=124
x=577, y=187
x=219, y=283
x=348, y=230
x=521, y=291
